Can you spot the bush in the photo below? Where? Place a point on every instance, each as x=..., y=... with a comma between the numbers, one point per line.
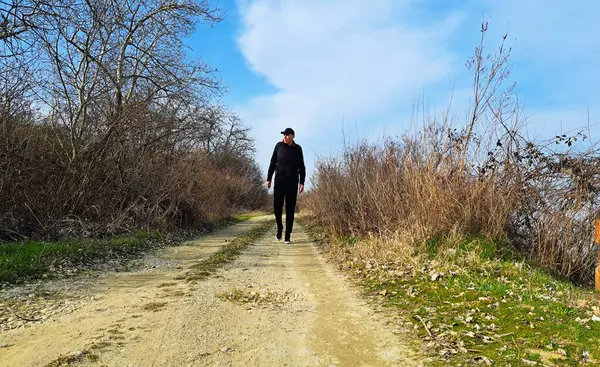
x=481, y=179
x=114, y=187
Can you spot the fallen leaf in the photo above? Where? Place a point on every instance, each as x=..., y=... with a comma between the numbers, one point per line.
x=487, y=339
x=483, y=360
x=582, y=303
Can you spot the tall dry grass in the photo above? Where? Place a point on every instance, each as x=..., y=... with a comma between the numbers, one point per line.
x=481, y=177
x=405, y=187
x=410, y=190
x=127, y=182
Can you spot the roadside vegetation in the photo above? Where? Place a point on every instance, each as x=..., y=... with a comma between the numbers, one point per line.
x=110, y=135
x=106, y=127
x=29, y=260
x=482, y=237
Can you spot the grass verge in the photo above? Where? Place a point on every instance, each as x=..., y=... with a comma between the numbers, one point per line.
x=74, y=359
x=227, y=253
x=473, y=305
x=29, y=260
x=85, y=356
x=33, y=260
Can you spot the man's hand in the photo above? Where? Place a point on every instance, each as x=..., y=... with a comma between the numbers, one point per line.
x=268, y=184
x=301, y=188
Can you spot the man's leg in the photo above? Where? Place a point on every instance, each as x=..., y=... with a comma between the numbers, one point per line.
x=278, y=195
x=290, y=208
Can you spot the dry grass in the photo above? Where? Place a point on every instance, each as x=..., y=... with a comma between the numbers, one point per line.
x=154, y=306
x=375, y=190
x=411, y=194
x=128, y=182
x=446, y=180
x=242, y=296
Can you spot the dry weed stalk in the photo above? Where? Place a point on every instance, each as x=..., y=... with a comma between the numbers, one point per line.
x=484, y=178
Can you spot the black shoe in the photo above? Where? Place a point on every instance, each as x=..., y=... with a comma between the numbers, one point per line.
x=287, y=239
x=279, y=231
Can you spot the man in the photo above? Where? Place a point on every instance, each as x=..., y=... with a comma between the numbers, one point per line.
x=288, y=163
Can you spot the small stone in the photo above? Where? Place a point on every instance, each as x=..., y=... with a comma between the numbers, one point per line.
x=226, y=349
x=585, y=356
x=77, y=354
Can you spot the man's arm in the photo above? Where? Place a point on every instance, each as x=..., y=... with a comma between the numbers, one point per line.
x=301, y=167
x=273, y=164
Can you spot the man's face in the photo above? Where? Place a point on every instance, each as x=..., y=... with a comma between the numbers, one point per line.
x=288, y=139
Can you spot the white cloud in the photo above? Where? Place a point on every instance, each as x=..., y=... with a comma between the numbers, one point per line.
x=335, y=60
x=354, y=62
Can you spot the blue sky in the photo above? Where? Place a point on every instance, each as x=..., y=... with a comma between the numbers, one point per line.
x=327, y=67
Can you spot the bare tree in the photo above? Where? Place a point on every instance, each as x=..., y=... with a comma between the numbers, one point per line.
x=105, y=55
x=127, y=130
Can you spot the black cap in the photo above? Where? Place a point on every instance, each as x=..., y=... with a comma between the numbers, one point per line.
x=288, y=131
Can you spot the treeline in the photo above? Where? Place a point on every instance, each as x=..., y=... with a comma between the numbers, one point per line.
x=105, y=125
x=482, y=177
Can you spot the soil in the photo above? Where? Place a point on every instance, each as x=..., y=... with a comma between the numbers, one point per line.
x=275, y=305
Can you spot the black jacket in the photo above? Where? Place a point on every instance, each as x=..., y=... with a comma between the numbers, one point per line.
x=288, y=162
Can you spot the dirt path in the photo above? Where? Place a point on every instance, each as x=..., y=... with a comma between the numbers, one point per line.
x=276, y=305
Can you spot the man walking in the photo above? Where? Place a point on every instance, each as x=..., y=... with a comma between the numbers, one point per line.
x=288, y=163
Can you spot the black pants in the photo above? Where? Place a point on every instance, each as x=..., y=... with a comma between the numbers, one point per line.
x=288, y=192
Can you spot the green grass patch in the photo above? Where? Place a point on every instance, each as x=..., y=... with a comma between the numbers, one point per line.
x=247, y=216
x=507, y=312
x=475, y=301
x=227, y=253
x=238, y=218
x=485, y=248
x=33, y=259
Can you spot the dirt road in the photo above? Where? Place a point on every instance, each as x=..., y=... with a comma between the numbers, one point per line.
x=275, y=305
